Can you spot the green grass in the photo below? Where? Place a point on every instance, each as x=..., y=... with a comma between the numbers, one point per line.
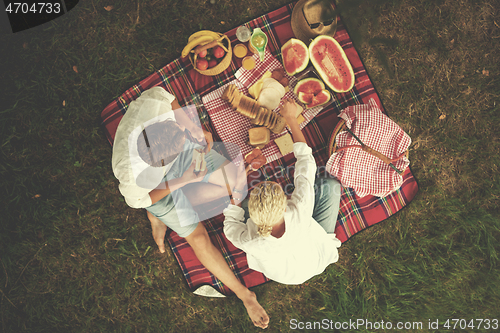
x=75, y=257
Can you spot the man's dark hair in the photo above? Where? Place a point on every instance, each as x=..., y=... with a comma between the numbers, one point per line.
x=160, y=143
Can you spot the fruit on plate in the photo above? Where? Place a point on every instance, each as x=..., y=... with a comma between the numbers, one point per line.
x=305, y=98
x=202, y=64
x=309, y=85
x=312, y=92
x=320, y=98
x=295, y=56
x=330, y=61
x=219, y=52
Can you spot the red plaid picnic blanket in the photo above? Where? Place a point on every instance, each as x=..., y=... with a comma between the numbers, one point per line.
x=357, y=169
x=181, y=79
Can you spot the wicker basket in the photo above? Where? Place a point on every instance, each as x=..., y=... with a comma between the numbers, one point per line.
x=340, y=127
x=225, y=43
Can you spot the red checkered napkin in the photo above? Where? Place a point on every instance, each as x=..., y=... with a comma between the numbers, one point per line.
x=355, y=168
x=232, y=126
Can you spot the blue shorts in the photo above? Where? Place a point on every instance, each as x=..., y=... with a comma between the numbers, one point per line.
x=175, y=210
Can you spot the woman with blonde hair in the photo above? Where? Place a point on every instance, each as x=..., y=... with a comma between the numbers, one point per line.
x=288, y=240
x=267, y=205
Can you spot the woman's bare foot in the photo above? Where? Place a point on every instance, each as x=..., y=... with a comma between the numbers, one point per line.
x=255, y=311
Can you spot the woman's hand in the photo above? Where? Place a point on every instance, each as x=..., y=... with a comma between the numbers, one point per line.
x=289, y=110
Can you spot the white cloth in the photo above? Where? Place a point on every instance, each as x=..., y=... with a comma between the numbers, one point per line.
x=305, y=249
x=271, y=94
x=137, y=178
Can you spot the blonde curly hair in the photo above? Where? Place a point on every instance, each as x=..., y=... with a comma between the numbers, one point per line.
x=266, y=205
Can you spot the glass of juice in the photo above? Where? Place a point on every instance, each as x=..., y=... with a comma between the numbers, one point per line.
x=248, y=63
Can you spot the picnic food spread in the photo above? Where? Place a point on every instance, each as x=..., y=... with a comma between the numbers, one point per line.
x=210, y=53
x=250, y=108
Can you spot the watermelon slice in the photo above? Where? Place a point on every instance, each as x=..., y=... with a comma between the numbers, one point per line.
x=320, y=98
x=312, y=92
x=331, y=62
x=305, y=98
x=295, y=56
x=309, y=85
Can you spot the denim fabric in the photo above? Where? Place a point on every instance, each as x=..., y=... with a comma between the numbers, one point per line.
x=326, y=202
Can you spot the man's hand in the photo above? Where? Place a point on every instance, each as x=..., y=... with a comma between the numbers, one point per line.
x=189, y=176
x=289, y=111
x=202, y=136
x=209, y=140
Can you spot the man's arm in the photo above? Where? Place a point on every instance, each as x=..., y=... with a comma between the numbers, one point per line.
x=164, y=189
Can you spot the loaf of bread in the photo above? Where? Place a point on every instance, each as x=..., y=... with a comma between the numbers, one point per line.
x=249, y=107
x=258, y=137
x=280, y=125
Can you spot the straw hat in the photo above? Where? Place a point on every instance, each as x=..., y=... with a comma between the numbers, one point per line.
x=316, y=13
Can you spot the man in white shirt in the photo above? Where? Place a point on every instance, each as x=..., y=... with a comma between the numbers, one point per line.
x=292, y=240
x=153, y=160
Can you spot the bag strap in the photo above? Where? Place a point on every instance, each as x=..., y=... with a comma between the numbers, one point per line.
x=373, y=152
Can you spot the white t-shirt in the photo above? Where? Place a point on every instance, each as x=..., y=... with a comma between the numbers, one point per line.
x=305, y=249
x=137, y=178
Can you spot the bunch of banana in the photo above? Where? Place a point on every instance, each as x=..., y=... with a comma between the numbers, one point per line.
x=201, y=38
